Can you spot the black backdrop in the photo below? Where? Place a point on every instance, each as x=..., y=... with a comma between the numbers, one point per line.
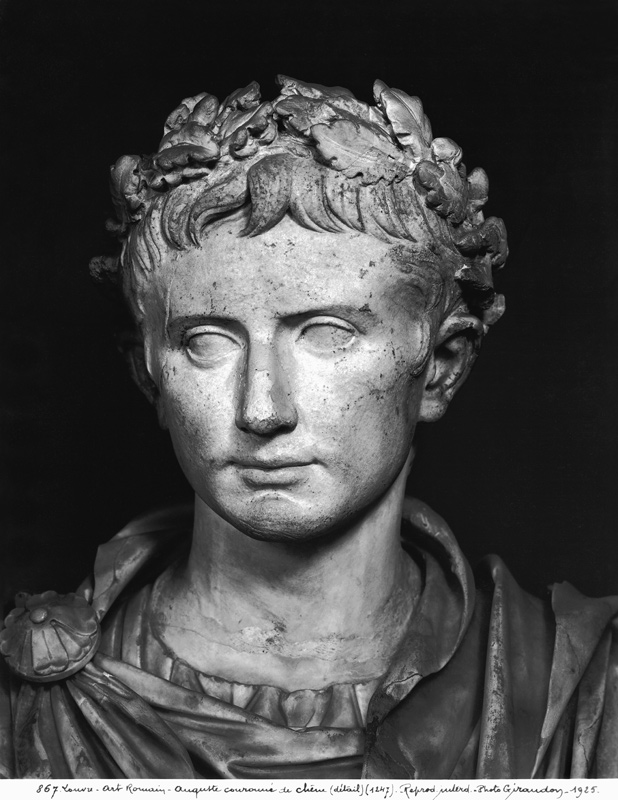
x=524, y=463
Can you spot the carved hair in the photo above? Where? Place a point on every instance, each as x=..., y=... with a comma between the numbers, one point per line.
x=329, y=161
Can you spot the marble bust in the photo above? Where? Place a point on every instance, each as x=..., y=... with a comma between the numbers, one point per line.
x=308, y=278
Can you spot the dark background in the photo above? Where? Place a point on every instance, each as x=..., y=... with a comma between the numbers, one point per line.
x=524, y=463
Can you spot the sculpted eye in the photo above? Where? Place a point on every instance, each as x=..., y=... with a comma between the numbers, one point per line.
x=327, y=336
x=210, y=345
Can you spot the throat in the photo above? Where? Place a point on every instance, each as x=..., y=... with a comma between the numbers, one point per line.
x=285, y=647
x=290, y=616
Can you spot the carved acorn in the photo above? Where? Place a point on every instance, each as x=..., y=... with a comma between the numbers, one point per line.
x=49, y=636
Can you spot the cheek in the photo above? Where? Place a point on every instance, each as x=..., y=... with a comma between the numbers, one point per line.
x=390, y=376
x=386, y=416
x=197, y=410
x=371, y=403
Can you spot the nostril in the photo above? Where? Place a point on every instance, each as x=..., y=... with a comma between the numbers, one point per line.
x=266, y=426
x=265, y=404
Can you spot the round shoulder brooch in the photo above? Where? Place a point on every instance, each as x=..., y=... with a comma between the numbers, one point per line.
x=49, y=636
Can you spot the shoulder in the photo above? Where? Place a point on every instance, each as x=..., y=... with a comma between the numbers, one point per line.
x=6, y=723
x=564, y=611
x=531, y=690
x=555, y=660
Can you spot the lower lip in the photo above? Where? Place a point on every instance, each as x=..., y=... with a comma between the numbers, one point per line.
x=280, y=476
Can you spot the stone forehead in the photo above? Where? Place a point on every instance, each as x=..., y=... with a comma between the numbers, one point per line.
x=289, y=259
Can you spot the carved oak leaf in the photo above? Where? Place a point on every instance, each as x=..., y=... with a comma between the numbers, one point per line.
x=446, y=150
x=242, y=100
x=356, y=149
x=181, y=113
x=205, y=110
x=477, y=273
x=405, y=114
x=126, y=187
x=262, y=124
x=354, y=108
x=301, y=113
x=233, y=121
x=191, y=133
x=446, y=190
x=489, y=238
x=291, y=86
x=259, y=129
x=182, y=154
x=478, y=192
x=334, y=97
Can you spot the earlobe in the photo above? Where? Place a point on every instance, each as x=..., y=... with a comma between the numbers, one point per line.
x=457, y=346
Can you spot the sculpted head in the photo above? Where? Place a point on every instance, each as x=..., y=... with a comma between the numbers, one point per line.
x=309, y=278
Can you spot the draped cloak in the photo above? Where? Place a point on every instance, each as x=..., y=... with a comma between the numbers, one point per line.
x=488, y=682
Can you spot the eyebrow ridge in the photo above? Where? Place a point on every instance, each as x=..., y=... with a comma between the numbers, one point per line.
x=189, y=320
x=332, y=310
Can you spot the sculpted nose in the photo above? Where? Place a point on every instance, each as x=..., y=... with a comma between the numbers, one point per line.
x=266, y=404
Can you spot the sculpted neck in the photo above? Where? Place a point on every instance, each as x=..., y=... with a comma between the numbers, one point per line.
x=308, y=614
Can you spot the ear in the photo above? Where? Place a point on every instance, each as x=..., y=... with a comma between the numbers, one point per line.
x=132, y=348
x=457, y=346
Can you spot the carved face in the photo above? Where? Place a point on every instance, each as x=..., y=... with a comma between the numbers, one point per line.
x=291, y=373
